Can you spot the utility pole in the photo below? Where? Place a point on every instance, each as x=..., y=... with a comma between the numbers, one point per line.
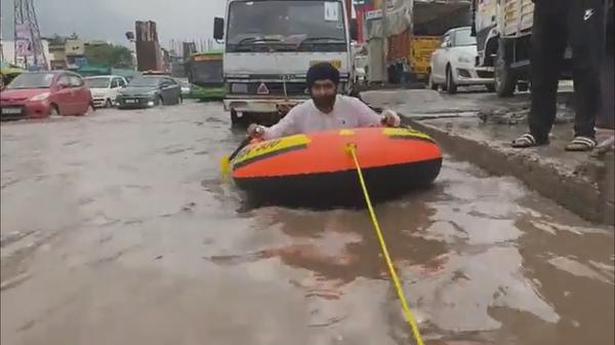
x=385, y=46
x=1, y=41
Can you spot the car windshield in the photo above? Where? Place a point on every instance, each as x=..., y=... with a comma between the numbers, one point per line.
x=306, y=25
x=32, y=81
x=98, y=83
x=464, y=38
x=144, y=82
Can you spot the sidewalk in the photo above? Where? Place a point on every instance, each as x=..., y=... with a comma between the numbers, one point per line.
x=479, y=128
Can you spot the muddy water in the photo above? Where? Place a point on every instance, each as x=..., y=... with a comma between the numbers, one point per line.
x=116, y=229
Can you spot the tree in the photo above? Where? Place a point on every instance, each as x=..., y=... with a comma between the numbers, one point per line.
x=108, y=54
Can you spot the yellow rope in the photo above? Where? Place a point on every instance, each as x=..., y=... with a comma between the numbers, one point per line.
x=352, y=150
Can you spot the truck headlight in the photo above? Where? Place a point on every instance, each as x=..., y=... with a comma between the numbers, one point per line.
x=239, y=88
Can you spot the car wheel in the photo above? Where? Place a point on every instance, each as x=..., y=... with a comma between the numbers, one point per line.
x=235, y=119
x=108, y=103
x=54, y=110
x=89, y=110
x=451, y=87
x=431, y=84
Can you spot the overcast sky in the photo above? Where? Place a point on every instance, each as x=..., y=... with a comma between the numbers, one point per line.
x=110, y=19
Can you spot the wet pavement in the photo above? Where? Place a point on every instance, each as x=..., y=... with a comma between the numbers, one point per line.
x=117, y=229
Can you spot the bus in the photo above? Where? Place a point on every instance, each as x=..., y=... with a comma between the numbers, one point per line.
x=204, y=71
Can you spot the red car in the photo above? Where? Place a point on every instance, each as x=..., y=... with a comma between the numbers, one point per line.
x=41, y=94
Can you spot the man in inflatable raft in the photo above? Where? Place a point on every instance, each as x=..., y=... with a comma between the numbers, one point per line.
x=326, y=110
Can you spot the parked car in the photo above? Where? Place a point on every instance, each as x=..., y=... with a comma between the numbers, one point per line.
x=454, y=63
x=41, y=94
x=149, y=91
x=105, y=89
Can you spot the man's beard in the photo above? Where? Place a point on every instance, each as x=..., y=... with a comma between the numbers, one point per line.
x=324, y=103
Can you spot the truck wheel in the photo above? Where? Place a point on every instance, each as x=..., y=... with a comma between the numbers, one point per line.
x=235, y=119
x=523, y=86
x=451, y=87
x=505, y=79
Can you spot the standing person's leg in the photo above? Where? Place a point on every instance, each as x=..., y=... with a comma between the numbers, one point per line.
x=586, y=28
x=606, y=117
x=548, y=43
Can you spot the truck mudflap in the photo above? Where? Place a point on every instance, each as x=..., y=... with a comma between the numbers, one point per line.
x=251, y=105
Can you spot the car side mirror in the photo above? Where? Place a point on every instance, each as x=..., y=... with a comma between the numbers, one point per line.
x=218, y=28
x=63, y=86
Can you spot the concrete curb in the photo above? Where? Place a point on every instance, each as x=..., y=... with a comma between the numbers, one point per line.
x=585, y=195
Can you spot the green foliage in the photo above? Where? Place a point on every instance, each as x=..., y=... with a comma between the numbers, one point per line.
x=110, y=55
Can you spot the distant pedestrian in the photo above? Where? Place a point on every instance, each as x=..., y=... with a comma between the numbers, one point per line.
x=580, y=23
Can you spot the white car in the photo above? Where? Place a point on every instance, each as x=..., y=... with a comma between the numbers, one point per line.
x=105, y=89
x=454, y=63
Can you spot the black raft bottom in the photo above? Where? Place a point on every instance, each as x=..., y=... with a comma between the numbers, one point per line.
x=340, y=189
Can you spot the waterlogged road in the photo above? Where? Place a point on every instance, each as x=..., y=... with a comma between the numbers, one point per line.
x=116, y=229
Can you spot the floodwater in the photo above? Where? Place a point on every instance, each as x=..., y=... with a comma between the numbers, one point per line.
x=117, y=229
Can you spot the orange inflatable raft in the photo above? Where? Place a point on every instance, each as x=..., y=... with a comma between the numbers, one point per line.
x=317, y=170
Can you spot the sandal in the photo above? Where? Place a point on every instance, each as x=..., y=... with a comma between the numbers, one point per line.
x=581, y=144
x=527, y=140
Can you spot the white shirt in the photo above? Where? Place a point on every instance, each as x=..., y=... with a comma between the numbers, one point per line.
x=348, y=112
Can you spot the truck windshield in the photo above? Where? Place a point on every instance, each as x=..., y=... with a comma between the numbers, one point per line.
x=280, y=25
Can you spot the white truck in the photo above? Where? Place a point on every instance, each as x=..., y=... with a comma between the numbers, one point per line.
x=503, y=29
x=269, y=46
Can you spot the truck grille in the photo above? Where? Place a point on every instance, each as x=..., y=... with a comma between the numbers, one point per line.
x=277, y=88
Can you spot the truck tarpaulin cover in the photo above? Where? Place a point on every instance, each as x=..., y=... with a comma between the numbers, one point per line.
x=425, y=17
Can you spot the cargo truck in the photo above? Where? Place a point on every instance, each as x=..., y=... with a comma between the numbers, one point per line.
x=269, y=46
x=503, y=29
x=415, y=28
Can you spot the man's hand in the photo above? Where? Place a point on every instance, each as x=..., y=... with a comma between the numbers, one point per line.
x=255, y=131
x=390, y=118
